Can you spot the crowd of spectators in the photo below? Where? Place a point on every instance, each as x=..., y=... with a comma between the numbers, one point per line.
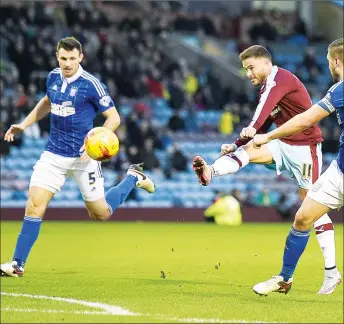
x=128, y=58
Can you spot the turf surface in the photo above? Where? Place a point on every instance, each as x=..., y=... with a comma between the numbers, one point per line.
x=163, y=272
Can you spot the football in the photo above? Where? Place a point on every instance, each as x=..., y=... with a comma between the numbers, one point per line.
x=101, y=144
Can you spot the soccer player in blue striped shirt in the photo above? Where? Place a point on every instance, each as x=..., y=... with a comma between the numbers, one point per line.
x=73, y=98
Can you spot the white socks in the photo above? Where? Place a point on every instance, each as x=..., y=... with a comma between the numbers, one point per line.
x=231, y=163
x=325, y=234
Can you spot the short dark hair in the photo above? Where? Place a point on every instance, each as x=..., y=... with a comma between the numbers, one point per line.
x=255, y=51
x=69, y=43
x=336, y=48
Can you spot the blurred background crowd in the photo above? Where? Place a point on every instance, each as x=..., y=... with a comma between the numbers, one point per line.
x=171, y=108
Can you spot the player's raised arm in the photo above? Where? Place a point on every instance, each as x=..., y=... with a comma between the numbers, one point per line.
x=295, y=125
x=42, y=109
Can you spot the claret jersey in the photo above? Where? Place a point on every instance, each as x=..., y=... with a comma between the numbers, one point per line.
x=281, y=97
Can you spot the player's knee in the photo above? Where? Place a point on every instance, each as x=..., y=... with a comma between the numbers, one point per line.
x=35, y=207
x=302, y=221
x=99, y=216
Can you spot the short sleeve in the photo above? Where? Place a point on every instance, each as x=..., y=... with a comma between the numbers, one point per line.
x=48, y=81
x=327, y=103
x=100, y=97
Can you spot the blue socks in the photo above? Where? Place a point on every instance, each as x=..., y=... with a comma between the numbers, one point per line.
x=116, y=195
x=32, y=225
x=294, y=246
x=26, y=239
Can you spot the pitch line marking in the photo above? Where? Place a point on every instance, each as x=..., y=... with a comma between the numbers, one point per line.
x=32, y=310
x=111, y=310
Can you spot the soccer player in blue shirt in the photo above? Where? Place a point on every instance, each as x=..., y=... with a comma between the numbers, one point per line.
x=73, y=98
x=326, y=194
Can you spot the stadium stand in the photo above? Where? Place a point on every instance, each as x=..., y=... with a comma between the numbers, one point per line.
x=170, y=112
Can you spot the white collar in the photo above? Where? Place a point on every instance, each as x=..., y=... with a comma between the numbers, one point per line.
x=74, y=77
x=273, y=72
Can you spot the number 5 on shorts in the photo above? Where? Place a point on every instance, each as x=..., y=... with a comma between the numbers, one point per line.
x=306, y=171
x=92, y=178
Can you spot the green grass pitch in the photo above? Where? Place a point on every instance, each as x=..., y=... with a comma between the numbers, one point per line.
x=163, y=272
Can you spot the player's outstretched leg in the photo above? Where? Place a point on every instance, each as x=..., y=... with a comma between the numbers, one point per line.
x=143, y=181
x=227, y=164
x=115, y=196
x=202, y=169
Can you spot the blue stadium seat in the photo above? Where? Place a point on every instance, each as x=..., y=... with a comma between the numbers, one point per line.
x=6, y=195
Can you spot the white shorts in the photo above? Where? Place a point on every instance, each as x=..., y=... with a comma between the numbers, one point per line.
x=328, y=190
x=304, y=163
x=51, y=170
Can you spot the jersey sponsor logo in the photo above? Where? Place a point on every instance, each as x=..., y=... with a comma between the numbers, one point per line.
x=105, y=101
x=275, y=111
x=54, y=87
x=63, y=110
x=73, y=91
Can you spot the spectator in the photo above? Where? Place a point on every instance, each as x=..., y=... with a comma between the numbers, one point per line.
x=133, y=131
x=264, y=198
x=225, y=210
x=284, y=207
x=4, y=146
x=227, y=121
x=148, y=157
x=133, y=155
x=250, y=198
x=154, y=85
x=176, y=160
x=176, y=123
x=147, y=132
x=310, y=61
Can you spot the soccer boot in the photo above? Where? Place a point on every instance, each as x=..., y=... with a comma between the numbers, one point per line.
x=202, y=170
x=11, y=269
x=275, y=284
x=330, y=283
x=143, y=181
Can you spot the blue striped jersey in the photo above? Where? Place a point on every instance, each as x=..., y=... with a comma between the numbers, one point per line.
x=75, y=102
x=334, y=101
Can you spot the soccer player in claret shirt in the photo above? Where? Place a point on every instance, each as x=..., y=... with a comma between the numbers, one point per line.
x=282, y=96
x=327, y=193
x=73, y=98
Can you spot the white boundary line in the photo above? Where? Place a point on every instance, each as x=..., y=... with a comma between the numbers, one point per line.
x=109, y=310
x=32, y=310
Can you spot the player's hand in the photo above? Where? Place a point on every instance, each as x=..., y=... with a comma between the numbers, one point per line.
x=260, y=139
x=14, y=129
x=84, y=158
x=227, y=148
x=248, y=132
